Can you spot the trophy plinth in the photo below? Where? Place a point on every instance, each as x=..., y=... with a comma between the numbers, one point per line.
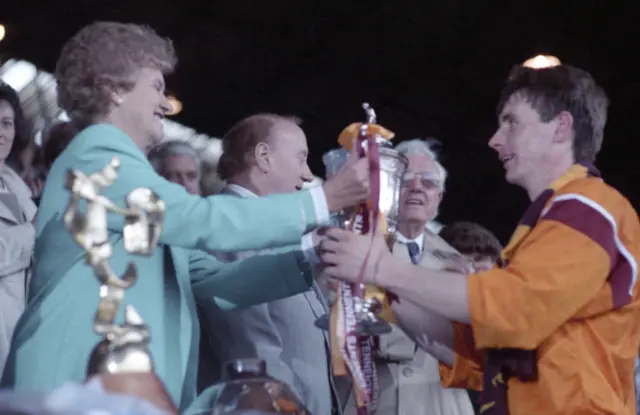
x=124, y=348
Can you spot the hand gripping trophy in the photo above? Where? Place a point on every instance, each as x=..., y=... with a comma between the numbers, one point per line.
x=124, y=348
x=362, y=312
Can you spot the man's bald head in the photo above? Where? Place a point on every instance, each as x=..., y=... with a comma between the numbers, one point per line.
x=239, y=143
x=271, y=149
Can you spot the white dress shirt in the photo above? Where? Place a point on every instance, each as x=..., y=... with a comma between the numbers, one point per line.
x=419, y=240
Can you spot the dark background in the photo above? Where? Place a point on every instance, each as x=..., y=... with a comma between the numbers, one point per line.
x=430, y=68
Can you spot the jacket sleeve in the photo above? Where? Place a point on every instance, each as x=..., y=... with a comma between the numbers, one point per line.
x=274, y=275
x=460, y=364
x=430, y=331
x=214, y=223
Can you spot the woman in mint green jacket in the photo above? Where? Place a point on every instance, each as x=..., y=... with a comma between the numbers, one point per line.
x=111, y=83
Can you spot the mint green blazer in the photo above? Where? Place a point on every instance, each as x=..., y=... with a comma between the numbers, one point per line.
x=54, y=336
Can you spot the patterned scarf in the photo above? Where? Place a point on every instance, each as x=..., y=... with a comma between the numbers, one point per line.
x=501, y=364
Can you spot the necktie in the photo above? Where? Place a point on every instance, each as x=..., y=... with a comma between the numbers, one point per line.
x=414, y=252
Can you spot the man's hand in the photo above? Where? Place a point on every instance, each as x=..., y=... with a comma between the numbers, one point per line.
x=343, y=253
x=146, y=386
x=349, y=186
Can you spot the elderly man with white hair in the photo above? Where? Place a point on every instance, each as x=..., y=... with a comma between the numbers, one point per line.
x=408, y=376
x=414, y=218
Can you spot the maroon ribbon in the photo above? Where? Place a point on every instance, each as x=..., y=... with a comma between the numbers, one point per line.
x=368, y=214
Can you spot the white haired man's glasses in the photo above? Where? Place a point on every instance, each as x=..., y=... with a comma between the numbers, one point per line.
x=427, y=179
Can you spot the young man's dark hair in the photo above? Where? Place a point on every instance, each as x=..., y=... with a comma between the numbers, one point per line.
x=552, y=90
x=472, y=240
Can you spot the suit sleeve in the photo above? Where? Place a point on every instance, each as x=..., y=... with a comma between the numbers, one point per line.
x=460, y=364
x=429, y=330
x=560, y=267
x=215, y=223
x=279, y=274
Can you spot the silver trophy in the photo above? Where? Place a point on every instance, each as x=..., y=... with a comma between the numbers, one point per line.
x=392, y=168
x=124, y=348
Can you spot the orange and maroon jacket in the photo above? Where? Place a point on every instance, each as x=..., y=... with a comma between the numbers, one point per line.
x=566, y=296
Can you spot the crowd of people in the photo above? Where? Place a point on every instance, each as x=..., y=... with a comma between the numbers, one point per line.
x=548, y=324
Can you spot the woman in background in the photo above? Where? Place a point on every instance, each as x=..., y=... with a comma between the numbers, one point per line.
x=17, y=211
x=56, y=138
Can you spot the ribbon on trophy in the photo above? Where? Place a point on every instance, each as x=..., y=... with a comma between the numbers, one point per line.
x=352, y=347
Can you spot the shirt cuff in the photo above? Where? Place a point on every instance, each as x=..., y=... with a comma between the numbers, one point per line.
x=309, y=249
x=320, y=205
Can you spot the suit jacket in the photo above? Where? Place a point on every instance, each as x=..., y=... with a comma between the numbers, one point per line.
x=283, y=334
x=408, y=376
x=55, y=334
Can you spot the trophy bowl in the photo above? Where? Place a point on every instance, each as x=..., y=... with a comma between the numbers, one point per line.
x=392, y=168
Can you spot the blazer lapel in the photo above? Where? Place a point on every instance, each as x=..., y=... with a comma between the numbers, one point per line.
x=318, y=305
x=316, y=300
x=397, y=345
x=401, y=251
x=7, y=214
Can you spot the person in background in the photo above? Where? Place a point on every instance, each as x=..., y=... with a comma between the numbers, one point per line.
x=17, y=211
x=554, y=329
x=28, y=163
x=408, y=376
x=266, y=154
x=483, y=249
x=56, y=138
x=210, y=183
x=178, y=162
x=420, y=213
x=25, y=157
x=110, y=81
x=475, y=242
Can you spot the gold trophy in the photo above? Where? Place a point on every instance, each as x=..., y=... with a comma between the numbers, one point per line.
x=124, y=348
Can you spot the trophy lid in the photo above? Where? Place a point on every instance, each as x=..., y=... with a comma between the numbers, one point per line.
x=382, y=135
